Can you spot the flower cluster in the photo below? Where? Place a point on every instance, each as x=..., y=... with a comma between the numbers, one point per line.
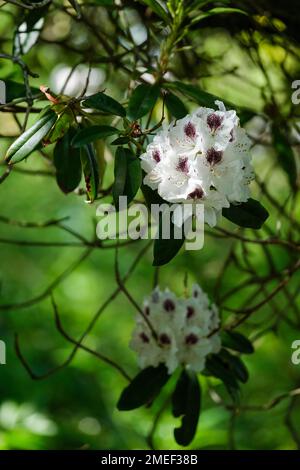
x=184, y=330
x=203, y=157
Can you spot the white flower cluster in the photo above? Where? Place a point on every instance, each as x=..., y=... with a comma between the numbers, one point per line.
x=203, y=157
x=182, y=329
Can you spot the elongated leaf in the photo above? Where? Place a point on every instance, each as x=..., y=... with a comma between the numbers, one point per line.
x=237, y=342
x=128, y=175
x=67, y=163
x=186, y=402
x=121, y=141
x=218, y=11
x=194, y=93
x=90, y=171
x=236, y=365
x=29, y=140
x=15, y=90
x=165, y=249
x=176, y=107
x=250, y=214
x=104, y=103
x=144, y=388
x=142, y=100
x=28, y=30
x=285, y=155
x=216, y=367
x=157, y=8
x=62, y=124
x=92, y=133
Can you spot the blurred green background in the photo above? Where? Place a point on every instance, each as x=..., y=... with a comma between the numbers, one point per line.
x=76, y=407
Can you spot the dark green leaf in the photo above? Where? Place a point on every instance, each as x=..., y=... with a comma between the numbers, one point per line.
x=89, y=134
x=165, y=249
x=120, y=141
x=30, y=139
x=62, y=124
x=144, y=388
x=157, y=8
x=105, y=3
x=217, y=11
x=195, y=93
x=105, y=103
x=235, y=364
x=175, y=106
x=186, y=402
x=67, y=163
x=142, y=100
x=15, y=90
x=237, y=342
x=90, y=171
x=216, y=367
x=285, y=155
x=128, y=175
x=28, y=30
x=250, y=214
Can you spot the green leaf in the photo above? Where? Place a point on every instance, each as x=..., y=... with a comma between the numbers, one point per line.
x=142, y=100
x=67, y=163
x=62, y=124
x=176, y=107
x=128, y=175
x=216, y=367
x=157, y=8
x=237, y=342
x=15, y=90
x=104, y=103
x=236, y=365
x=186, y=402
x=144, y=388
x=30, y=139
x=120, y=141
x=285, y=155
x=28, y=31
x=195, y=93
x=90, y=171
x=92, y=133
x=217, y=11
x=250, y=214
x=164, y=250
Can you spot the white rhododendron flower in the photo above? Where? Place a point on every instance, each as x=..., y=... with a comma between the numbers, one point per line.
x=204, y=157
x=183, y=328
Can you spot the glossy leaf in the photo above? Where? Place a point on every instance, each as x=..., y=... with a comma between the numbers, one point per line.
x=104, y=103
x=165, y=249
x=128, y=175
x=237, y=342
x=176, y=107
x=28, y=30
x=92, y=133
x=142, y=100
x=236, y=365
x=216, y=367
x=144, y=388
x=186, y=403
x=62, y=124
x=15, y=90
x=250, y=214
x=30, y=139
x=90, y=171
x=67, y=163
